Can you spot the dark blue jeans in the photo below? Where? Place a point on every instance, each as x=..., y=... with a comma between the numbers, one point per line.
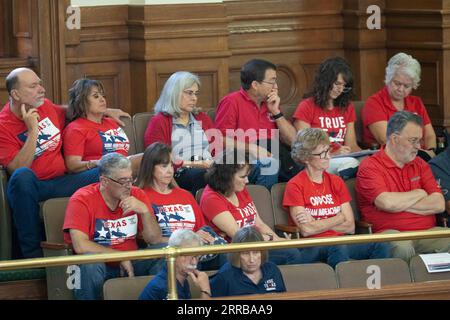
x=265, y=172
x=191, y=179
x=285, y=256
x=24, y=193
x=332, y=255
x=93, y=276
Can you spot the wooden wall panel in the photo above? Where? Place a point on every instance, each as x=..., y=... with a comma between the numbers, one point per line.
x=134, y=49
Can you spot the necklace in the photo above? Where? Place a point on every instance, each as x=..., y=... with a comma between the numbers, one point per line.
x=315, y=185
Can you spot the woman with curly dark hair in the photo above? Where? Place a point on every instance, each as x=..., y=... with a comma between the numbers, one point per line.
x=228, y=206
x=328, y=106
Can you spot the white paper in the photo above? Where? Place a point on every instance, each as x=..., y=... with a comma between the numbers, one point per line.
x=357, y=154
x=436, y=262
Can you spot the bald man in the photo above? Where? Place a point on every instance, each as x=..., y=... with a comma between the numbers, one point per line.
x=30, y=149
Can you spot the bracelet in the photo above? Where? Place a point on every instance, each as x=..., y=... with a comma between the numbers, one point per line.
x=278, y=116
x=206, y=292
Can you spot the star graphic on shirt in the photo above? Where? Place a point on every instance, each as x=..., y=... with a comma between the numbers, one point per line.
x=102, y=233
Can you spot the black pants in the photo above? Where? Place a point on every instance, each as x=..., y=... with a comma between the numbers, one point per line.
x=191, y=179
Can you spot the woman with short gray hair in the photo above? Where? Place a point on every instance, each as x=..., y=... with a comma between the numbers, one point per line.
x=402, y=76
x=319, y=203
x=179, y=124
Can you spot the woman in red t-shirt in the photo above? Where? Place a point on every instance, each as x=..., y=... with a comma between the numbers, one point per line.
x=91, y=134
x=228, y=206
x=402, y=76
x=319, y=203
x=328, y=107
x=174, y=208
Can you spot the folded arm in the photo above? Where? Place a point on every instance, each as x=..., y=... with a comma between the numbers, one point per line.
x=399, y=201
x=309, y=226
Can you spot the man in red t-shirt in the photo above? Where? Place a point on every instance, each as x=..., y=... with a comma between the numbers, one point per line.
x=30, y=149
x=397, y=191
x=106, y=217
x=252, y=118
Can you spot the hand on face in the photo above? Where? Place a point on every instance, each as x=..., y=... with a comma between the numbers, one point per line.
x=131, y=204
x=31, y=118
x=273, y=102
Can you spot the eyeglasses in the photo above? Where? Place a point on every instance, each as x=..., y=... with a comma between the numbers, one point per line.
x=122, y=182
x=323, y=154
x=412, y=141
x=191, y=93
x=345, y=89
x=398, y=84
x=272, y=83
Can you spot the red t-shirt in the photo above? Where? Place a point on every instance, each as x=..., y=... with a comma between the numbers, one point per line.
x=379, y=107
x=333, y=121
x=377, y=174
x=238, y=111
x=48, y=147
x=88, y=213
x=176, y=210
x=213, y=203
x=322, y=200
x=92, y=140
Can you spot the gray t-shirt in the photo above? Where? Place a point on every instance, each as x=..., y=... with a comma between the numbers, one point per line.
x=189, y=141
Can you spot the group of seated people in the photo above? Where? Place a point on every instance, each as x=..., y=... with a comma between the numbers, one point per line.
x=126, y=202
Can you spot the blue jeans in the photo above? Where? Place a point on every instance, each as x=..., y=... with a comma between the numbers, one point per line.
x=332, y=255
x=93, y=276
x=265, y=172
x=285, y=256
x=24, y=193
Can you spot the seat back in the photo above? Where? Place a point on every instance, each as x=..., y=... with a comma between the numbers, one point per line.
x=358, y=124
x=131, y=288
x=351, y=183
x=212, y=114
x=306, y=277
x=129, y=130
x=140, y=122
x=356, y=273
x=53, y=211
x=419, y=272
x=125, y=288
x=5, y=219
x=277, y=194
x=261, y=199
x=288, y=110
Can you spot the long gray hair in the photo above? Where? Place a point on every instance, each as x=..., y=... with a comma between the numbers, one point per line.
x=169, y=101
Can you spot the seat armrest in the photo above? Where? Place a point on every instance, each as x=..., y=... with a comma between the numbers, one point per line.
x=55, y=246
x=366, y=226
x=293, y=230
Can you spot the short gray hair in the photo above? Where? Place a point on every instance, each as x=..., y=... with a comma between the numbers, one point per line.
x=399, y=120
x=306, y=141
x=404, y=64
x=183, y=237
x=111, y=162
x=169, y=101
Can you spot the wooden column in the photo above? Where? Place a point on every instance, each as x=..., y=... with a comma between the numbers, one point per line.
x=169, y=38
x=364, y=48
x=420, y=28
